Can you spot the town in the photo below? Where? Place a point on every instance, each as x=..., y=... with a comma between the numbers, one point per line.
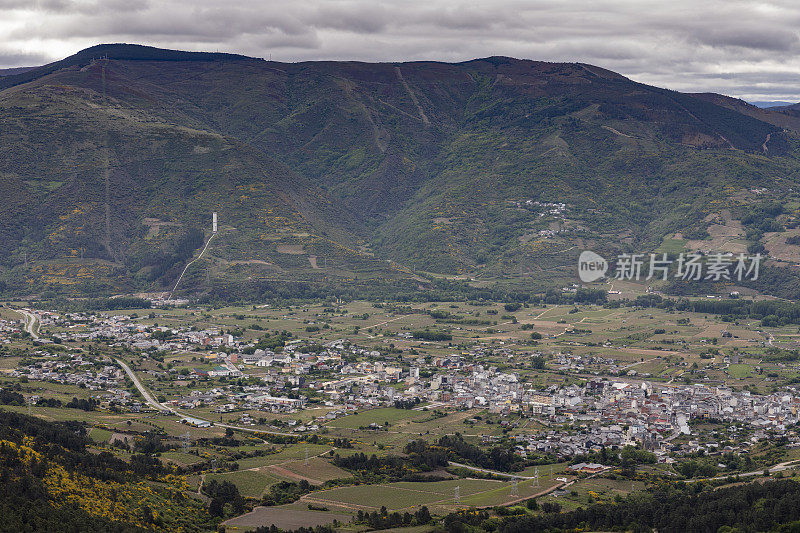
x=218, y=373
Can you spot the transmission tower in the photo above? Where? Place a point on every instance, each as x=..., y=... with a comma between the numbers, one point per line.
x=514, y=489
x=536, y=477
x=457, y=494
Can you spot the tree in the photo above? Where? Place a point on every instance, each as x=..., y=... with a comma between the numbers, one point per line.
x=216, y=507
x=422, y=516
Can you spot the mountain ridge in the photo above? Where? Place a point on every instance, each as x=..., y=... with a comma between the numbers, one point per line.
x=331, y=171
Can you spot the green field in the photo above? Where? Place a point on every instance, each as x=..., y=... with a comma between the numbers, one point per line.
x=249, y=482
x=740, y=370
x=374, y=496
x=291, y=453
x=378, y=416
x=318, y=470
x=181, y=458
x=672, y=246
x=404, y=495
x=100, y=435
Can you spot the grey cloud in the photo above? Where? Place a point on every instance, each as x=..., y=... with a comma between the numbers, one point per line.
x=10, y=59
x=367, y=18
x=73, y=7
x=771, y=40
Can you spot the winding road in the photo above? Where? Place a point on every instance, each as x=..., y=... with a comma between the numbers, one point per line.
x=165, y=409
x=31, y=323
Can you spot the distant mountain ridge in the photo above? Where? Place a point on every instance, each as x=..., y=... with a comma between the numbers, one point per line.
x=15, y=70
x=772, y=103
x=120, y=52
x=341, y=172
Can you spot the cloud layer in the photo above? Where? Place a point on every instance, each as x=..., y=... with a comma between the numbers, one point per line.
x=746, y=49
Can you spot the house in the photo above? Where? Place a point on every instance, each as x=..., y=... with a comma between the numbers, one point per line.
x=587, y=468
x=196, y=422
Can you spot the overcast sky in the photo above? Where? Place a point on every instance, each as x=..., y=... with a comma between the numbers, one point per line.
x=745, y=49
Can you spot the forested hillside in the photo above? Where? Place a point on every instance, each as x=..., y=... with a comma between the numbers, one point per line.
x=52, y=480
x=343, y=173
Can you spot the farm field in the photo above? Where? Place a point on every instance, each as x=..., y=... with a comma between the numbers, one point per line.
x=740, y=371
x=316, y=472
x=594, y=490
x=438, y=495
x=289, y=454
x=378, y=416
x=181, y=458
x=283, y=517
x=250, y=483
x=100, y=435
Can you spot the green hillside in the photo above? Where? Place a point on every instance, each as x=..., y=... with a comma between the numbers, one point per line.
x=55, y=479
x=341, y=172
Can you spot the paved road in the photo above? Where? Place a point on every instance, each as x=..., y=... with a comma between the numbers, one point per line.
x=148, y=398
x=487, y=471
x=31, y=323
x=626, y=367
x=168, y=409
x=780, y=467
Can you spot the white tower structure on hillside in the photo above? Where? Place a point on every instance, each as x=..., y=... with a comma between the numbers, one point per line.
x=214, y=223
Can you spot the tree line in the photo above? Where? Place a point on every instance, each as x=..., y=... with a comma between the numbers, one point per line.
x=667, y=508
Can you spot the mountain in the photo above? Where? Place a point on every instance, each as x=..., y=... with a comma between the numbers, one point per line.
x=345, y=172
x=771, y=103
x=15, y=70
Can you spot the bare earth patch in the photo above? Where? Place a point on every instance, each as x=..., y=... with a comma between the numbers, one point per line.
x=293, y=249
x=775, y=243
x=154, y=226
x=725, y=237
